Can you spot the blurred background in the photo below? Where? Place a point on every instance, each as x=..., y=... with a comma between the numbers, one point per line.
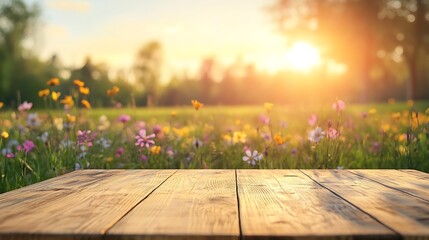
x=225, y=52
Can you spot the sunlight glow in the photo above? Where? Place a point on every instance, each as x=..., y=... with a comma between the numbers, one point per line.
x=303, y=56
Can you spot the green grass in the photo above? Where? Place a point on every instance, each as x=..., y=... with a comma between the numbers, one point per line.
x=389, y=136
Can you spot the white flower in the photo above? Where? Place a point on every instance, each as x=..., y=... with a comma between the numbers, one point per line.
x=316, y=135
x=44, y=137
x=103, y=123
x=33, y=120
x=252, y=158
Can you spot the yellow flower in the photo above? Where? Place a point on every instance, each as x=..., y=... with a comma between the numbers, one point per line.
x=410, y=103
x=4, y=134
x=396, y=115
x=86, y=104
x=78, y=83
x=2, y=104
x=173, y=114
x=55, y=95
x=385, y=127
x=112, y=92
x=401, y=137
x=268, y=106
x=84, y=90
x=197, y=105
x=239, y=137
x=44, y=92
x=68, y=100
x=372, y=111
x=70, y=118
x=427, y=109
x=53, y=82
x=278, y=139
x=155, y=150
x=391, y=101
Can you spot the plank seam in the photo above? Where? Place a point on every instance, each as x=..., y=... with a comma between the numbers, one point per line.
x=402, y=191
x=138, y=203
x=360, y=209
x=238, y=205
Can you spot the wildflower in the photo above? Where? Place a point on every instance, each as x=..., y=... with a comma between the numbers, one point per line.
x=372, y=111
x=197, y=105
x=68, y=100
x=58, y=123
x=53, y=82
x=44, y=137
x=170, y=152
x=104, y=143
x=55, y=95
x=70, y=118
x=312, y=120
x=44, y=92
x=278, y=139
x=174, y=114
x=264, y=119
x=25, y=106
x=2, y=104
x=339, y=105
x=268, y=106
x=10, y=155
x=140, y=125
x=252, y=158
x=85, y=137
x=112, y=92
x=155, y=150
x=103, y=123
x=119, y=152
x=410, y=103
x=239, y=137
x=143, y=140
x=28, y=145
x=316, y=135
x=396, y=115
x=86, y=104
x=401, y=137
x=124, y=118
x=426, y=112
x=294, y=151
x=5, y=135
x=332, y=133
x=78, y=83
x=84, y=90
x=157, y=129
x=143, y=158
x=33, y=120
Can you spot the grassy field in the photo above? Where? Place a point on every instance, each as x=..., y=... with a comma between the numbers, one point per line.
x=37, y=145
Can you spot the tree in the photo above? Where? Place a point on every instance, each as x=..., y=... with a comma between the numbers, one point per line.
x=147, y=70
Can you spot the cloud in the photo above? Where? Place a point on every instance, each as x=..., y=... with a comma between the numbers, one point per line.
x=70, y=5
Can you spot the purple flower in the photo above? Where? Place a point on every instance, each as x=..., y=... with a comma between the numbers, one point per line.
x=264, y=119
x=332, y=133
x=119, y=152
x=85, y=137
x=143, y=140
x=316, y=135
x=157, y=129
x=25, y=106
x=312, y=120
x=143, y=158
x=10, y=155
x=28, y=146
x=124, y=118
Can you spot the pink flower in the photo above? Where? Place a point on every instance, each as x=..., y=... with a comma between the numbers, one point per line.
x=312, y=120
x=143, y=140
x=140, y=125
x=119, y=152
x=157, y=129
x=124, y=118
x=264, y=119
x=143, y=158
x=25, y=106
x=339, y=105
x=85, y=137
x=10, y=155
x=332, y=133
x=28, y=146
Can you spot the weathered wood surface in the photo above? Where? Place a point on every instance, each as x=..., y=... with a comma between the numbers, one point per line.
x=220, y=204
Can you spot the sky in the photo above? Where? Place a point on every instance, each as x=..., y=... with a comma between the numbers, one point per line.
x=112, y=31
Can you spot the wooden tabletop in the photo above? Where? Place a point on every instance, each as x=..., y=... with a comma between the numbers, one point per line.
x=220, y=204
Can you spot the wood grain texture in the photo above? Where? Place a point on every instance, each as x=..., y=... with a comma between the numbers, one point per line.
x=192, y=204
x=403, y=213
x=88, y=212
x=422, y=175
x=410, y=184
x=286, y=203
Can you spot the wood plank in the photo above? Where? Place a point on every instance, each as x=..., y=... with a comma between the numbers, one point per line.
x=286, y=203
x=192, y=204
x=88, y=212
x=403, y=213
x=422, y=175
x=402, y=181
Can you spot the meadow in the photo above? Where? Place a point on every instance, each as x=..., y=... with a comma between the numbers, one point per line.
x=38, y=144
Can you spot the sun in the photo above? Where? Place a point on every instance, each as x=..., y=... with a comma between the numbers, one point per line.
x=303, y=56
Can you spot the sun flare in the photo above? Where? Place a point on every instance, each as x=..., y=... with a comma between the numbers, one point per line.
x=303, y=56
